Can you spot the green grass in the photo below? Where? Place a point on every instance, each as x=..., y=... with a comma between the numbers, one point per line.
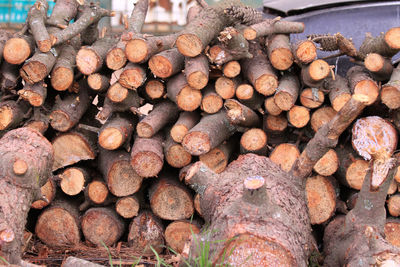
x=4, y=260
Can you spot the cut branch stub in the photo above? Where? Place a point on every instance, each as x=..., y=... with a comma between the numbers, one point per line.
x=272, y=26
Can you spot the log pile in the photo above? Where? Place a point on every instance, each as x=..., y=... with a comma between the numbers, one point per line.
x=139, y=139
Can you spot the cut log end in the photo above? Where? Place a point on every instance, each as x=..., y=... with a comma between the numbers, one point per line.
x=127, y=207
x=49, y=192
x=144, y=130
x=374, y=62
x=392, y=232
x=299, y=116
x=146, y=164
x=284, y=100
x=266, y=84
x=136, y=50
x=393, y=205
x=6, y=117
x=271, y=107
x=244, y=92
x=62, y=78
x=321, y=117
x=231, y=69
x=225, y=87
x=87, y=61
x=306, y=52
x=275, y=123
x=321, y=199
x=189, y=45
x=155, y=89
x=111, y=138
x=189, y=99
x=390, y=96
x=340, y=101
x=356, y=173
x=97, y=192
x=284, y=155
x=250, y=34
x=33, y=72
x=60, y=121
x=212, y=103
x=281, y=58
x=197, y=80
x=328, y=164
x=34, y=98
x=197, y=143
x=177, y=156
x=117, y=93
x=161, y=66
x=254, y=182
x=254, y=140
x=392, y=38
x=368, y=88
x=319, y=69
x=311, y=98
x=116, y=59
x=178, y=132
x=123, y=180
x=251, y=250
x=16, y=51
x=72, y=181
x=44, y=45
x=216, y=160
x=178, y=233
x=20, y=167
x=95, y=81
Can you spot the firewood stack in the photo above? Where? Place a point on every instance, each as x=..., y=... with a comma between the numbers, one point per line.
x=231, y=84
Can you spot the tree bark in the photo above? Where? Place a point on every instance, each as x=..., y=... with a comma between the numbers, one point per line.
x=279, y=52
x=167, y=63
x=185, y=97
x=25, y=167
x=38, y=66
x=272, y=26
x=241, y=115
x=390, y=91
x=37, y=16
x=116, y=132
x=197, y=71
x=10, y=77
x=211, y=102
x=287, y=92
x=285, y=155
x=175, y=154
x=62, y=76
x=339, y=91
x=186, y=121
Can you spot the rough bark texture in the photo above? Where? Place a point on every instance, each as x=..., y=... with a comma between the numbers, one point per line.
x=287, y=92
x=279, y=52
x=147, y=157
x=186, y=121
x=133, y=76
x=162, y=114
x=211, y=102
x=122, y=180
x=259, y=72
x=182, y=94
x=10, y=77
x=145, y=231
x=116, y=132
x=166, y=63
x=102, y=226
x=63, y=12
x=390, y=91
x=248, y=219
x=385, y=44
x=20, y=184
x=197, y=71
x=339, y=91
x=11, y=114
x=76, y=262
x=272, y=26
x=211, y=131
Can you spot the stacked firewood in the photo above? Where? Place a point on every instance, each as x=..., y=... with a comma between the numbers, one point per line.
x=129, y=114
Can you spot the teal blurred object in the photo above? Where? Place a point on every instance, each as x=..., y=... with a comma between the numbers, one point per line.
x=252, y=3
x=16, y=11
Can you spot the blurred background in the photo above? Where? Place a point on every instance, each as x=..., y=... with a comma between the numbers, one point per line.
x=164, y=15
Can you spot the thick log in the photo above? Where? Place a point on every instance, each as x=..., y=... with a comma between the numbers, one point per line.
x=25, y=167
x=272, y=26
x=146, y=231
x=133, y=76
x=37, y=16
x=285, y=155
x=210, y=132
x=185, y=97
x=259, y=72
x=73, y=180
x=96, y=194
x=116, y=132
x=218, y=158
x=279, y=52
x=90, y=59
x=392, y=231
x=186, y=121
x=241, y=115
x=271, y=107
x=197, y=71
x=298, y=116
x=175, y=154
x=147, y=157
x=72, y=147
x=390, y=91
x=360, y=82
x=246, y=94
x=321, y=198
x=231, y=69
x=59, y=225
x=122, y=180
x=141, y=49
x=328, y=164
x=254, y=141
x=211, y=102
x=48, y=190
x=128, y=207
x=339, y=91
x=18, y=49
x=162, y=114
x=313, y=74
x=62, y=76
x=322, y=116
x=11, y=114
x=102, y=226
x=304, y=51
x=312, y=98
x=67, y=112
x=34, y=94
x=167, y=63
x=155, y=90
x=178, y=233
x=287, y=92
x=38, y=66
x=226, y=87
x=252, y=210
x=171, y=200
